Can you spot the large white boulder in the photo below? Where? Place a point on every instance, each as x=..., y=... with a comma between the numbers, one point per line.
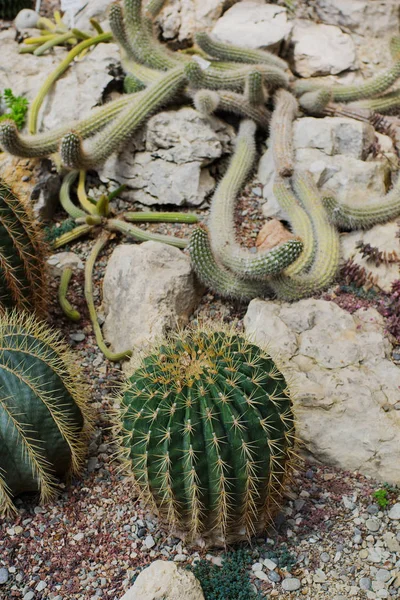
x=347, y=390
x=164, y=580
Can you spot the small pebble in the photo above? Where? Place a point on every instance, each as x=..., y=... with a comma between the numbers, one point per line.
x=325, y=557
x=149, y=542
x=365, y=583
x=3, y=575
x=274, y=576
x=373, y=524
x=394, y=512
x=291, y=584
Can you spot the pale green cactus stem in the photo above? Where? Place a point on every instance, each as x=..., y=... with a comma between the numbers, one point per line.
x=300, y=222
x=208, y=101
x=314, y=103
x=281, y=137
x=117, y=26
x=217, y=78
x=144, y=47
x=348, y=93
x=145, y=75
x=229, y=52
x=65, y=199
x=71, y=236
x=348, y=217
x=325, y=263
x=143, y=236
x=222, y=224
x=154, y=7
x=385, y=105
x=97, y=248
x=254, y=88
x=43, y=144
x=160, y=217
x=69, y=311
x=216, y=277
x=75, y=155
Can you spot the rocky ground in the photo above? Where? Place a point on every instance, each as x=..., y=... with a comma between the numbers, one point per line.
x=332, y=539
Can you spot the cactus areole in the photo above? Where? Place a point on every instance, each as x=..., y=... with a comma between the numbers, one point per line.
x=207, y=429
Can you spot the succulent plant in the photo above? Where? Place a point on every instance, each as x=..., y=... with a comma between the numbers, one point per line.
x=22, y=255
x=44, y=414
x=10, y=8
x=206, y=429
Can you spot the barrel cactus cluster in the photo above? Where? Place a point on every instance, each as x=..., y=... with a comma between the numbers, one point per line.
x=206, y=429
x=44, y=414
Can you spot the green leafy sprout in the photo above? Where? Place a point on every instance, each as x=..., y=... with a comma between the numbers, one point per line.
x=16, y=108
x=381, y=497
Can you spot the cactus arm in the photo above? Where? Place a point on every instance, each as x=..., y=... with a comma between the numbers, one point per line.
x=254, y=88
x=314, y=103
x=145, y=75
x=99, y=148
x=282, y=132
x=217, y=78
x=43, y=144
x=143, y=236
x=53, y=41
x=56, y=74
x=215, y=276
x=221, y=220
x=229, y=52
x=387, y=104
x=349, y=217
x=300, y=222
x=160, y=217
x=118, y=28
x=325, y=263
x=97, y=248
x=209, y=101
x=71, y=236
x=154, y=7
x=82, y=196
x=65, y=199
x=70, y=312
x=348, y=93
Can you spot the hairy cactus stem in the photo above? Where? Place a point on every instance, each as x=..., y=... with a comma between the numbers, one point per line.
x=154, y=7
x=229, y=52
x=387, y=104
x=325, y=263
x=65, y=198
x=209, y=101
x=314, y=103
x=70, y=312
x=143, y=236
x=43, y=144
x=56, y=74
x=160, y=217
x=101, y=146
x=97, y=248
x=222, y=224
x=254, y=88
x=215, y=276
x=282, y=132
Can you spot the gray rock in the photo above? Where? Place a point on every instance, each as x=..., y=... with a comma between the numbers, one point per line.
x=164, y=579
x=373, y=525
x=270, y=564
x=362, y=16
x=149, y=542
x=382, y=575
x=253, y=25
x=321, y=49
x=394, y=512
x=365, y=583
x=91, y=9
x=180, y=19
x=148, y=289
x=291, y=584
x=319, y=576
x=42, y=585
x=392, y=544
x=26, y=19
x=261, y=575
x=4, y=575
x=274, y=576
x=325, y=557
x=343, y=376
x=171, y=169
x=29, y=596
x=62, y=260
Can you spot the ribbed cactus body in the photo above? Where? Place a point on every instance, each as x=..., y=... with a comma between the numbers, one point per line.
x=208, y=432
x=10, y=8
x=22, y=263
x=43, y=418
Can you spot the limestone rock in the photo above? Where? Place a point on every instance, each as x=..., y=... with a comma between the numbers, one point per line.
x=164, y=580
x=321, y=49
x=272, y=234
x=180, y=19
x=345, y=384
x=361, y=16
x=253, y=25
x=62, y=260
x=97, y=9
x=148, y=289
x=383, y=237
x=26, y=19
x=25, y=77
x=172, y=168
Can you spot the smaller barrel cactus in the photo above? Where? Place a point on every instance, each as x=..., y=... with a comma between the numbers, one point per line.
x=22, y=252
x=10, y=8
x=44, y=415
x=206, y=428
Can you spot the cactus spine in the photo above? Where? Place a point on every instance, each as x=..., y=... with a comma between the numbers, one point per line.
x=22, y=255
x=207, y=431
x=44, y=415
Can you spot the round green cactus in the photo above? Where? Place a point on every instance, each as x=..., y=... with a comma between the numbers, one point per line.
x=44, y=416
x=22, y=264
x=10, y=8
x=207, y=429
